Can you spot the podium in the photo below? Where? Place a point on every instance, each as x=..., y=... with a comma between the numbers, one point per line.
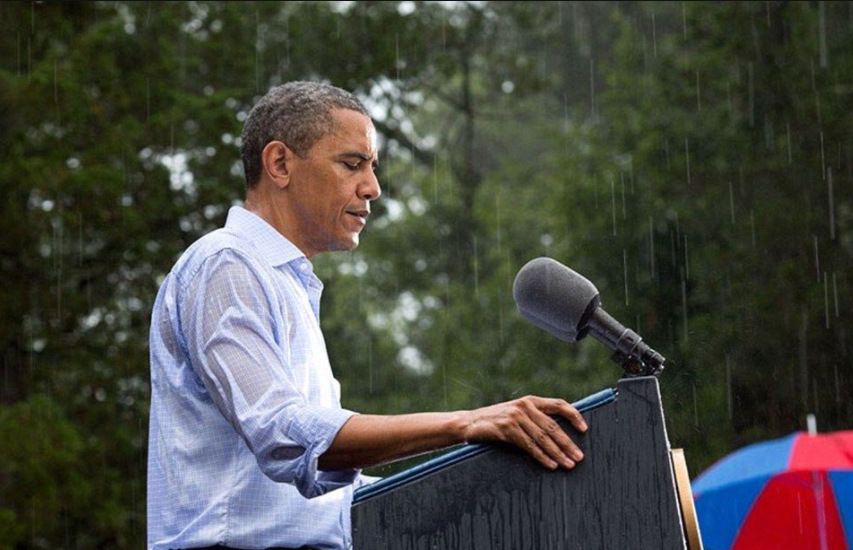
x=624, y=495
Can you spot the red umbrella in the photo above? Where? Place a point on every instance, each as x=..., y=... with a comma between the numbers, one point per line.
x=794, y=493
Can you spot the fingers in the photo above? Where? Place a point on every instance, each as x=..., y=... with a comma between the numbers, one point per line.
x=526, y=423
x=547, y=426
x=562, y=408
x=541, y=436
x=543, y=443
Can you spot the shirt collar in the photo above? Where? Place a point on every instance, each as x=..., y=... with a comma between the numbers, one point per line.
x=273, y=246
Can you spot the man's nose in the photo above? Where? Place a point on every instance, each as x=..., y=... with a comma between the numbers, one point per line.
x=370, y=189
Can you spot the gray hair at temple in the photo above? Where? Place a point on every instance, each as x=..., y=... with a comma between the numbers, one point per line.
x=298, y=114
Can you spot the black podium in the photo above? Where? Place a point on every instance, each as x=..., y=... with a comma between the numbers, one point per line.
x=622, y=496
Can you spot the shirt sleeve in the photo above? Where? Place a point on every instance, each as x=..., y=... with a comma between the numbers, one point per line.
x=229, y=320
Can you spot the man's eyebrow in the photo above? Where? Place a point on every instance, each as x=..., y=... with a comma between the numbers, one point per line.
x=359, y=155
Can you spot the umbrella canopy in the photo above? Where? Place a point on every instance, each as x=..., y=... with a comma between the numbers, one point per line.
x=793, y=493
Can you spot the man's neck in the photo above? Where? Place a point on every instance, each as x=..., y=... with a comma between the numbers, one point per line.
x=260, y=200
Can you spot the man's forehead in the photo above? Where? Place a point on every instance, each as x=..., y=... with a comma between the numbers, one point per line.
x=355, y=130
x=371, y=137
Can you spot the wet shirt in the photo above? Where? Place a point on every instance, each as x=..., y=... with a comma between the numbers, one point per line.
x=243, y=400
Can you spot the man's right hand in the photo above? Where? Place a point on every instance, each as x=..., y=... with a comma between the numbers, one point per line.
x=525, y=422
x=370, y=440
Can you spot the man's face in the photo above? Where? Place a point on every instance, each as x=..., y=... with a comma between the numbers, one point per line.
x=331, y=189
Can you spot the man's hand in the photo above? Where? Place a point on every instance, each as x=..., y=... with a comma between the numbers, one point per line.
x=370, y=440
x=526, y=423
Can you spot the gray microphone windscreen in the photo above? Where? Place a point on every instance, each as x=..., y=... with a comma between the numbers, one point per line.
x=555, y=298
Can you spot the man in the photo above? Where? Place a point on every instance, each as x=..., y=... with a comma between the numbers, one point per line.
x=249, y=446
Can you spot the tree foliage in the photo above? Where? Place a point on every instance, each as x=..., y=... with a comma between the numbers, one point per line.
x=692, y=159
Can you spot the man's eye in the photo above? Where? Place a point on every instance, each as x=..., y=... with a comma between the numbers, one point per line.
x=350, y=166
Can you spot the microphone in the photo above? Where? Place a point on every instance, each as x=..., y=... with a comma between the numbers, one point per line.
x=567, y=305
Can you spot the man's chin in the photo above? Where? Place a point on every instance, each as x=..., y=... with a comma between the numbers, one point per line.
x=347, y=244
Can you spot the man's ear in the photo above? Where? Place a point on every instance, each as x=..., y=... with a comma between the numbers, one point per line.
x=277, y=159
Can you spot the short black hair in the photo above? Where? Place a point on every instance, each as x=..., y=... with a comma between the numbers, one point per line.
x=298, y=114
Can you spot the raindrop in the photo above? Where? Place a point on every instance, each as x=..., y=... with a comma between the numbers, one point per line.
x=672, y=245
x=788, y=137
x=684, y=303
x=698, y=94
x=257, y=50
x=751, y=71
x=547, y=240
x=287, y=40
x=631, y=172
x=752, y=226
x=444, y=383
x=651, y=248
x=613, y=203
x=729, y=99
x=58, y=245
x=654, y=36
x=684, y=18
x=769, y=134
x=575, y=19
x=686, y=259
x=625, y=272
x=443, y=31
x=595, y=188
x=592, y=86
x=370, y=365
x=822, y=158
x=835, y=293
x=80, y=243
x=397, y=54
x=837, y=385
x=476, y=272
x=821, y=11
x=816, y=258
x=687, y=155
x=831, y=204
x=732, y=201
x=624, y=208
x=818, y=111
x=826, y=298
x=695, y=407
x=729, y=386
x=498, y=221
x=435, y=180
x=804, y=354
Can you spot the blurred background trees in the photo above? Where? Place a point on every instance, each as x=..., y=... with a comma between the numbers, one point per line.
x=692, y=159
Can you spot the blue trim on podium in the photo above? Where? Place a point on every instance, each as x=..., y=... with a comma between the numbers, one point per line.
x=462, y=453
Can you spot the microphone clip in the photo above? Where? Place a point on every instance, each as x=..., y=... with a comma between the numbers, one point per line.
x=634, y=367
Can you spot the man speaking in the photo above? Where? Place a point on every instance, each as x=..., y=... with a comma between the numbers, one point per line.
x=249, y=447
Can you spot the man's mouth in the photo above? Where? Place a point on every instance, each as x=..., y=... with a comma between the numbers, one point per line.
x=363, y=214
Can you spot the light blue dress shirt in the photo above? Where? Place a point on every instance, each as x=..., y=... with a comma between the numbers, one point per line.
x=243, y=400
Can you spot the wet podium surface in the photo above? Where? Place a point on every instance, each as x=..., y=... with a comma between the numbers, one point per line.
x=495, y=497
